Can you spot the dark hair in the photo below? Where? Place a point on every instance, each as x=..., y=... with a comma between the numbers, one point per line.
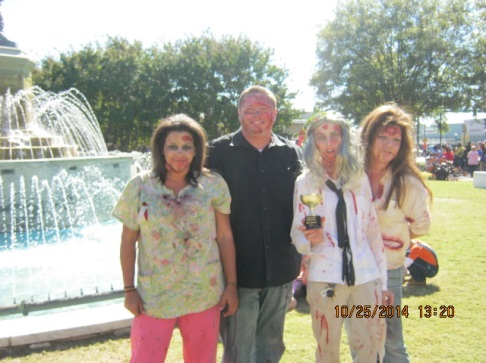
x=179, y=123
x=403, y=163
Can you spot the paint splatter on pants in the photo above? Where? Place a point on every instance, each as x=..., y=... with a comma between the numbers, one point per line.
x=366, y=336
x=150, y=337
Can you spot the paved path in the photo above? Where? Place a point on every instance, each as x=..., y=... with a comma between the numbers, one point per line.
x=35, y=330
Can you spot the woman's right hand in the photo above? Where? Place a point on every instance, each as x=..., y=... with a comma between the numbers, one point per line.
x=134, y=303
x=314, y=236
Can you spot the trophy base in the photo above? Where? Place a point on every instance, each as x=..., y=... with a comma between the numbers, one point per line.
x=313, y=222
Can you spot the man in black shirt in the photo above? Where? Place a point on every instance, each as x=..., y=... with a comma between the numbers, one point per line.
x=260, y=169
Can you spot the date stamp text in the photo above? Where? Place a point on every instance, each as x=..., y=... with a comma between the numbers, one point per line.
x=391, y=311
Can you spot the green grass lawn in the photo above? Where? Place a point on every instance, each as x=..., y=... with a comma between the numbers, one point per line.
x=458, y=235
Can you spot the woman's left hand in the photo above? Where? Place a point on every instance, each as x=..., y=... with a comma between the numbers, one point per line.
x=387, y=297
x=229, y=300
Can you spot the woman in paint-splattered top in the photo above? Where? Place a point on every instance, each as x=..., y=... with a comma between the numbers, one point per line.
x=177, y=217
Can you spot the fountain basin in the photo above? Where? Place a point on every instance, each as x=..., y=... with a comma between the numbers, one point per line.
x=84, y=262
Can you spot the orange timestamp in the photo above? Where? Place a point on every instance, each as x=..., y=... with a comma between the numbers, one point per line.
x=443, y=311
x=391, y=311
x=368, y=311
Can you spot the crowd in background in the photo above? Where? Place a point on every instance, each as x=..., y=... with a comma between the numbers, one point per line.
x=466, y=159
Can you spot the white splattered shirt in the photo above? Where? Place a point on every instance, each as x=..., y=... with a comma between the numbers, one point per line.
x=397, y=223
x=364, y=234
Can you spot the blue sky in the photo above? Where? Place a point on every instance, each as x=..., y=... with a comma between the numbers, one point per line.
x=48, y=27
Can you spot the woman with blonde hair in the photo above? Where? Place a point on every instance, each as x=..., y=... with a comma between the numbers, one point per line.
x=347, y=266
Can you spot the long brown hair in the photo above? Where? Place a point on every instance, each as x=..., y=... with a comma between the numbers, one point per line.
x=403, y=164
x=179, y=123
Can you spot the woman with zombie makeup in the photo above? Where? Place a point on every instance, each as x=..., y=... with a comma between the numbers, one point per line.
x=176, y=227
x=346, y=273
x=400, y=197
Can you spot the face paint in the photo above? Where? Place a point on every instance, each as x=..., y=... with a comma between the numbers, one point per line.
x=179, y=151
x=257, y=115
x=187, y=138
x=386, y=145
x=328, y=138
x=392, y=130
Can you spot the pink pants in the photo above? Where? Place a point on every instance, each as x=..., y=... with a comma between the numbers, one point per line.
x=150, y=337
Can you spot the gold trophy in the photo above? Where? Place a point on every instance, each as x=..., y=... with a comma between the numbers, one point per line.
x=312, y=200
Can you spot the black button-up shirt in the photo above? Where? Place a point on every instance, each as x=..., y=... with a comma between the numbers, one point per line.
x=261, y=186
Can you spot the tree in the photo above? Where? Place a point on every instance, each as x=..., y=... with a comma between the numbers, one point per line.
x=109, y=78
x=209, y=74
x=440, y=120
x=408, y=51
x=131, y=88
x=1, y=19
x=474, y=80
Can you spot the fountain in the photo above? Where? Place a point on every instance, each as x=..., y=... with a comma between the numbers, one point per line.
x=58, y=185
x=25, y=137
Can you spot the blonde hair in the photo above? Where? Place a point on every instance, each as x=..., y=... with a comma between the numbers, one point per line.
x=348, y=165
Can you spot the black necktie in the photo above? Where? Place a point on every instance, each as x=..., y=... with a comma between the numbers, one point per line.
x=343, y=239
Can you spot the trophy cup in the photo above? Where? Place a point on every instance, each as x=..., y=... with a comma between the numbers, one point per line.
x=312, y=200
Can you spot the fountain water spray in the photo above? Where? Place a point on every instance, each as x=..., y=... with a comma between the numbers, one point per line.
x=58, y=185
x=36, y=124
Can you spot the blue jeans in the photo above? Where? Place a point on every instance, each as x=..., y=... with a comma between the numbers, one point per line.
x=395, y=351
x=255, y=333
